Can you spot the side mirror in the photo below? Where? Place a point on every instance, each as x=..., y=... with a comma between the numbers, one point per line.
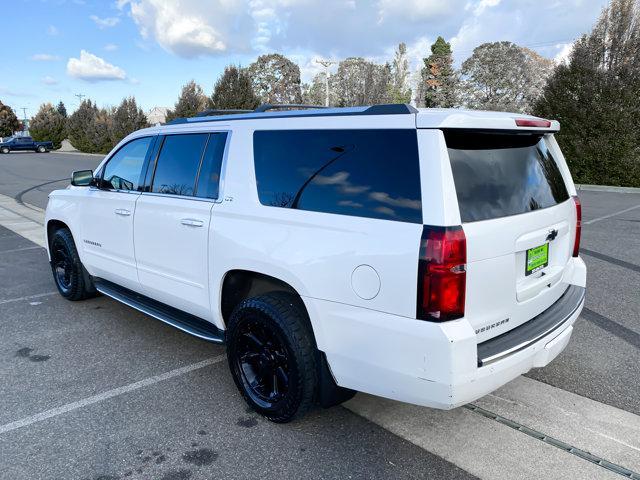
x=82, y=178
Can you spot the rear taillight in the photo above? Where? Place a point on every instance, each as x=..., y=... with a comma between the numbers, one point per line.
x=442, y=273
x=576, y=242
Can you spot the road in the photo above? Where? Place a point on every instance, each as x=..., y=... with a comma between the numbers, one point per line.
x=96, y=390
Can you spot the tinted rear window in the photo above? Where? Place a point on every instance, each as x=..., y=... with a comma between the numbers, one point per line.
x=178, y=164
x=363, y=173
x=497, y=174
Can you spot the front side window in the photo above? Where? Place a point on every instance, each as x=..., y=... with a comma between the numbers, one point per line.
x=178, y=164
x=122, y=172
x=363, y=173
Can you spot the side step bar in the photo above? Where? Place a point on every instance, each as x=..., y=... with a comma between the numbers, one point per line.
x=186, y=322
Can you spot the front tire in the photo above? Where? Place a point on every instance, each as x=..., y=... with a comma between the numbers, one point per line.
x=272, y=356
x=4, y=150
x=71, y=279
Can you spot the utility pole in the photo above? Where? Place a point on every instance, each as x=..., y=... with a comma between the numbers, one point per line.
x=326, y=64
x=80, y=97
x=25, y=126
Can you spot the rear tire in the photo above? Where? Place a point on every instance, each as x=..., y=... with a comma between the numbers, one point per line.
x=4, y=150
x=272, y=356
x=41, y=149
x=71, y=278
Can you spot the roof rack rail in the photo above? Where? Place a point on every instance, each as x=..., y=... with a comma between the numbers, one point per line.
x=220, y=111
x=277, y=106
x=262, y=112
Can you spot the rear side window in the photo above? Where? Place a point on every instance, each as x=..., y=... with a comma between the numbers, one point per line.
x=363, y=173
x=501, y=174
x=178, y=164
x=209, y=176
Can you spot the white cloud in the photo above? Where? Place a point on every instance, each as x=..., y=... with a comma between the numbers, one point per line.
x=186, y=29
x=483, y=5
x=92, y=68
x=52, y=30
x=414, y=10
x=47, y=80
x=106, y=22
x=111, y=47
x=564, y=50
x=44, y=57
x=306, y=29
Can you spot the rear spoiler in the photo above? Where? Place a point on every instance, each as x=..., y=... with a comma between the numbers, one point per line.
x=480, y=120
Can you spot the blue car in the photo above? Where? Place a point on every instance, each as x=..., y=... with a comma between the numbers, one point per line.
x=15, y=144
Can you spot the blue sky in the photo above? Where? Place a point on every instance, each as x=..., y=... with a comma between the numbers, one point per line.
x=110, y=49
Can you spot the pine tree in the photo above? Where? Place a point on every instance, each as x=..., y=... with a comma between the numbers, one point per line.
x=9, y=122
x=89, y=128
x=400, y=91
x=127, y=118
x=48, y=125
x=192, y=101
x=595, y=97
x=233, y=90
x=439, y=80
x=62, y=110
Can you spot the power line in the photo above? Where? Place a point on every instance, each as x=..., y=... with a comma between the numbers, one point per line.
x=530, y=45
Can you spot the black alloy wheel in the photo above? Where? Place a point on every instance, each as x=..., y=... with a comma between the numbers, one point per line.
x=72, y=280
x=263, y=362
x=272, y=355
x=62, y=265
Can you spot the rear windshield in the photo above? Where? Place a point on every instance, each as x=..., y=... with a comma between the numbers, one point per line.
x=498, y=174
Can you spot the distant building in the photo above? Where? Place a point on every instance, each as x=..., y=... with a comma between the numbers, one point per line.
x=157, y=115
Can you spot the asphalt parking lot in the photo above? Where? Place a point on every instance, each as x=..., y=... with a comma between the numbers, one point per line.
x=97, y=390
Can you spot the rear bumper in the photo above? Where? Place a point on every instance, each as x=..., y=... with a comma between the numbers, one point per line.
x=431, y=364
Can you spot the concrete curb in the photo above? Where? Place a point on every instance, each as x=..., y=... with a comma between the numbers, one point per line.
x=607, y=188
x=80, y=153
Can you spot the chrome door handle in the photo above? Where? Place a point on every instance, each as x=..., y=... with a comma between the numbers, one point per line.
x=191, y=222
x=122, y=211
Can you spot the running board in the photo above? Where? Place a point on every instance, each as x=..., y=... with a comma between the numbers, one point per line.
x=186, y=322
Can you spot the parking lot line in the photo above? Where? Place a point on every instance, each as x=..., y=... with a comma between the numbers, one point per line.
x=607, y=258
x=14, y=250
x=69, y=407
x=614, y=214
x=28, y=297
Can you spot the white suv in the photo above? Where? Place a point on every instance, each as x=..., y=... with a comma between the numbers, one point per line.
x=428, y=256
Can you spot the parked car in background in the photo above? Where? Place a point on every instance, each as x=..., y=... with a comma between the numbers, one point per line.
x=15, y=144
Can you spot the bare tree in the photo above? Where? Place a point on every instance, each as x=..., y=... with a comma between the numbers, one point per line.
x=503, y=76
x=361, y=82
x=275, y=79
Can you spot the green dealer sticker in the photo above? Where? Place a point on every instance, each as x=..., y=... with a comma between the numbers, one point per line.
x=537, y=258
